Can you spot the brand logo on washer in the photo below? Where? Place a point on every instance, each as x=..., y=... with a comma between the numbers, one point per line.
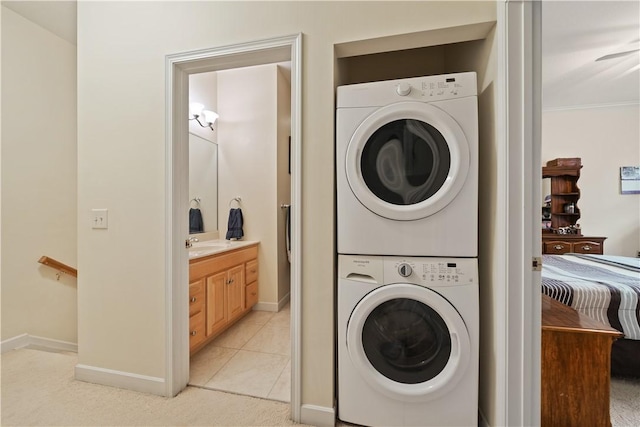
x=360, y=261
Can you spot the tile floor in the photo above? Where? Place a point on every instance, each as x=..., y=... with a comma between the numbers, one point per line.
x=253, y=358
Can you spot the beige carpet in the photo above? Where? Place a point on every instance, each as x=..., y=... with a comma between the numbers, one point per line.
x=38, y=389
x=625, y=402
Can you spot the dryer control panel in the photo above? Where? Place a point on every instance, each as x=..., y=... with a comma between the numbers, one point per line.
x=431, y=272
x=420, y=89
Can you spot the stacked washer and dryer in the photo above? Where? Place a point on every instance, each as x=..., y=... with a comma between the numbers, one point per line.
x=407, y=203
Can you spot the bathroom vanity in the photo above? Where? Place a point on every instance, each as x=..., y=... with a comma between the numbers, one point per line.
x=223, y=287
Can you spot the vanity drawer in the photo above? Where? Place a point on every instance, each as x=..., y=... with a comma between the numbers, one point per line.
x=196, y=297
x=587, y=247
x=556, y=247
x=251, y=295
x=251, y=273
x=196, y=329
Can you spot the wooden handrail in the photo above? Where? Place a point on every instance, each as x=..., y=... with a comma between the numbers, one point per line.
x=58, y=266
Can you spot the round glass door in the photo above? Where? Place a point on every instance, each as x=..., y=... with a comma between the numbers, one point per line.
x=408, y=342
x=407, y=161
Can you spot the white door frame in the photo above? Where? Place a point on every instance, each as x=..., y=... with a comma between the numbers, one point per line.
x=519, y=130
x=178, y=67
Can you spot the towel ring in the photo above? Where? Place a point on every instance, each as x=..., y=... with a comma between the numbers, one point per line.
x=235, y=199
x=197, y=200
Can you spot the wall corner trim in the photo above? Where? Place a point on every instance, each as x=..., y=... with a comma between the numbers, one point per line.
x=38, y=343
x=125, y=380
x=318, y=415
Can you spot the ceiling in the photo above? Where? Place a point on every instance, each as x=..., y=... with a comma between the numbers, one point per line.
x=574, y=34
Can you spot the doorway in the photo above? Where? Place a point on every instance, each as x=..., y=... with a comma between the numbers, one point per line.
x=248, y=355
x=178, y=68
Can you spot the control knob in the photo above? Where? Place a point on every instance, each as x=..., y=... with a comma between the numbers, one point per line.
x=403, y=89
x=405, y=270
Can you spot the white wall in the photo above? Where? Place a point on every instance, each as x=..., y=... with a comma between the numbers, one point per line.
x=121, y=51
x=38, y=180
x=247, y=103
x=605, y=138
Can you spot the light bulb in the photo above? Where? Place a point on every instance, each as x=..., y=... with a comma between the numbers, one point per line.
x=210, y=116
x=195, y=109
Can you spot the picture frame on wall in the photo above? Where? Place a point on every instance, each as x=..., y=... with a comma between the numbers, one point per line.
x=630, y=180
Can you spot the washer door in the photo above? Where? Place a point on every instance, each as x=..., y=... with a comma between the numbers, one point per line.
x=408, y=342
x=407, y=161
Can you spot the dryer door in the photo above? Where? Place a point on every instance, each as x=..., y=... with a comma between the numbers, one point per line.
x=407, y=161
x=408, y=342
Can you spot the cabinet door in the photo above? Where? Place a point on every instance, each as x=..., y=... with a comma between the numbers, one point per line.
x=216, y=308
x=235, y=291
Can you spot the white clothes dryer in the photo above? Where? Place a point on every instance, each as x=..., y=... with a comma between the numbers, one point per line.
x=407, y=167
x=407, y=341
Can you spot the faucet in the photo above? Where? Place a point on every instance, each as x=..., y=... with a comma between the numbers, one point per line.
x=190, y=240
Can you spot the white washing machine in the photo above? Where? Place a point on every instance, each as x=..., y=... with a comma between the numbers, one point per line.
x=407, y=167
x=407, y=341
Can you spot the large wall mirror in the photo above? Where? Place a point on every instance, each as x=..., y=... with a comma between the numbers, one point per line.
x=203, y=183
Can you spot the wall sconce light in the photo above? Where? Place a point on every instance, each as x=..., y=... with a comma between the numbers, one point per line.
x=196, y=111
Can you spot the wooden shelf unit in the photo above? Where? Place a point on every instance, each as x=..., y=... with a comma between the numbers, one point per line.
x=564, y=175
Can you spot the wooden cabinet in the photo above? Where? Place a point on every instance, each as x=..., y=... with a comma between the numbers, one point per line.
x=564, y=212
x=559, y=244
x=196, y=312
x=227, y=286
x=564, y=175
x=576, y=360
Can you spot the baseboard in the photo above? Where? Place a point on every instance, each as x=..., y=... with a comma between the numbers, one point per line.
x=482, y=421
x=317, y=415
x=40, y=343
x=284, y=301
x=273, y=306
x=126, y=380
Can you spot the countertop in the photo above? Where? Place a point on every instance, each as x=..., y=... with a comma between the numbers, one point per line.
x=213, y=247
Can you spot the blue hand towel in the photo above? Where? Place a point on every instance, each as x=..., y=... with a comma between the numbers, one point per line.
x=196, y=225
x=234, y=228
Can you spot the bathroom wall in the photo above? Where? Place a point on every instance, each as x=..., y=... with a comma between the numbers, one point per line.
x=38, y=181
x=284, y=179
x=605, y=138
x=121, y=79
x=248, y=136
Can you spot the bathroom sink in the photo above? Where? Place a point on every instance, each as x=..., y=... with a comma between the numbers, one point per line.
x=205, y=245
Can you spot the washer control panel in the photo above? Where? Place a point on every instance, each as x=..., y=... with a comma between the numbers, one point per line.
x=430, y=272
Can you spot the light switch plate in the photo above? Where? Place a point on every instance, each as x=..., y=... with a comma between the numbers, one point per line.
x=99, y=218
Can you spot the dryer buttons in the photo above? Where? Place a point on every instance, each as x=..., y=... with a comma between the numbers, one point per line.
x=405, y=270
x=403, y=89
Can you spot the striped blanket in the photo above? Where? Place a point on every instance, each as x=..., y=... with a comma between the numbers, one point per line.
x=605, y=288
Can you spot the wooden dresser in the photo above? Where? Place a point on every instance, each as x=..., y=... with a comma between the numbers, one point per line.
x=222, y=289
x=576, y=363
x=559, y=244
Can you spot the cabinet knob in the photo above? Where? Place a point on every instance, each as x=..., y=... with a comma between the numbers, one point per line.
x=253, y=294
x=230, y=281
x=586, y=248
x=193, y=299
x=193, y=333
x=558, y=247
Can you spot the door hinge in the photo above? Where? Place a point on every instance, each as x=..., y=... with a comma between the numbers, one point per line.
x=537, y=263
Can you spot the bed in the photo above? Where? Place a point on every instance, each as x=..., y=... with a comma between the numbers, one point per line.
x=605, y=288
